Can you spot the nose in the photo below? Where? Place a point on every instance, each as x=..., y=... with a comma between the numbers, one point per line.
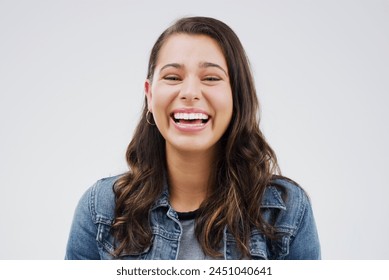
x=190, y=90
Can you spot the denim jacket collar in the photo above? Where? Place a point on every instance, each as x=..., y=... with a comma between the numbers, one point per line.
x=272, y=199
x=163, y=200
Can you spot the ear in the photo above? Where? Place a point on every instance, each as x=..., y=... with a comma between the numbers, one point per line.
x=148, y=94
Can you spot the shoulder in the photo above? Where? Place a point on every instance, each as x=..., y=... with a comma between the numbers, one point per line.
x=92, y=220
x=290, y=199
x=101, y=199
x=287, y=207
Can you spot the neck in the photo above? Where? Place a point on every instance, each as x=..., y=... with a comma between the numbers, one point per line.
x=189, y=174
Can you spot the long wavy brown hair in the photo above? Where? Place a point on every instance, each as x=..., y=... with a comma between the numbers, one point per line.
x=245, y=165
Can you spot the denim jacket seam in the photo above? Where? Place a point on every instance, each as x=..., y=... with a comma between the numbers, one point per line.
x=300, y=213
x=95, y=220
x=92, y=206
x=98, y=219
x=98, y=216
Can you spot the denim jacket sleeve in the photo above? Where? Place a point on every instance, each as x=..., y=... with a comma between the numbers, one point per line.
x=296, y=223
x=305, y=243
x=92, y=220
x=82, y=239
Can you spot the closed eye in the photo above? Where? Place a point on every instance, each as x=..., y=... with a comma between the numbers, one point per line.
x=172, y=78
x=212, y=79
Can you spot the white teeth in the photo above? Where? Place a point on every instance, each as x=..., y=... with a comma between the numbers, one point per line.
x=190, y=116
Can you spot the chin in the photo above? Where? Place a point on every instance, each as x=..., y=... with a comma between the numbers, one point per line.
x=192, y=146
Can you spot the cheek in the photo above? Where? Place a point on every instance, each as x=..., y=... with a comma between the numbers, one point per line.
x=162, y=97
x=228, y=104
x=222, y=102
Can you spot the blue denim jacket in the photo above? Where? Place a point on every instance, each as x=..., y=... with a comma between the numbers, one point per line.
x=90, y=236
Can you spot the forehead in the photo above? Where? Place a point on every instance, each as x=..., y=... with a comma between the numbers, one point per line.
x=188, y=48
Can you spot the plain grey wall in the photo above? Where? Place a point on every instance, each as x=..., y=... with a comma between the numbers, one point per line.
x=71, y=89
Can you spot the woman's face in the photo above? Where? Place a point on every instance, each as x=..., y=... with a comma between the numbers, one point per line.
x=190, y=94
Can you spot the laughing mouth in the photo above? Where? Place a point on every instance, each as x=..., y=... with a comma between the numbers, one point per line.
x=193, y=119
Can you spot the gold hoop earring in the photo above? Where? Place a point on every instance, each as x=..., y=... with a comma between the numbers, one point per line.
x=147, y=118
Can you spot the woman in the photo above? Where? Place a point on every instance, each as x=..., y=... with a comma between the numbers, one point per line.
x=202, y=180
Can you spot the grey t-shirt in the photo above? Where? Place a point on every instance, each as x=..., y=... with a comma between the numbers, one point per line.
x=190, y=248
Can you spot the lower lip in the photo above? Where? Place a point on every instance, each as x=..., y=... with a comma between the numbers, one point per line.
x=189, y=127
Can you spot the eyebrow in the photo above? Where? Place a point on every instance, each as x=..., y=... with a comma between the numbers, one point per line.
x=175, y=65
x=201, y=65
x=210, y=64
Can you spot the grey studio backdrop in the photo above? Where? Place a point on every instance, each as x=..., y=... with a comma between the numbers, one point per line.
x=71, y=89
